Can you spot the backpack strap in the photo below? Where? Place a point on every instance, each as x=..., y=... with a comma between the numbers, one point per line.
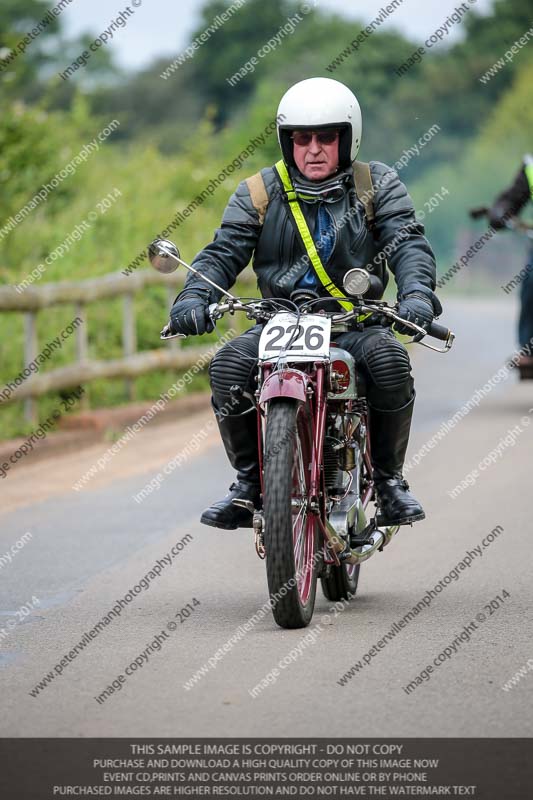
x=365, y=191
x=258, y=195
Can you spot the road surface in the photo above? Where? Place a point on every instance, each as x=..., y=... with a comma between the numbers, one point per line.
x=89, y=548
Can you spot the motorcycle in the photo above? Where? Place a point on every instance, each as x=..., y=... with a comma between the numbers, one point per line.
x=525, y=364
x=314, y=444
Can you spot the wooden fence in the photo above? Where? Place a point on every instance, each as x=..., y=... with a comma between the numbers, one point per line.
x=84, y=370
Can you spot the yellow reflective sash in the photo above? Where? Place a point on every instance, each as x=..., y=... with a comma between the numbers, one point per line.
x=307, y=239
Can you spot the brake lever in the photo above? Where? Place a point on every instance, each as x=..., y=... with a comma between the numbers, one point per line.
x=166, y=333
x=447, y=344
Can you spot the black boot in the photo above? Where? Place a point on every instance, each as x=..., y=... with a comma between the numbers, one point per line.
x=389, y=435
x=239, y=437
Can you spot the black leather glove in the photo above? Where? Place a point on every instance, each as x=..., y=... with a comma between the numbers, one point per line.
x=190, y=315
x=416, y=308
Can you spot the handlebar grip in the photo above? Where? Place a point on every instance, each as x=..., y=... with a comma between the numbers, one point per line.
x=438, y=331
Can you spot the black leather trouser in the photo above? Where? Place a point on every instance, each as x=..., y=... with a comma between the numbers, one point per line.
x=381, y=358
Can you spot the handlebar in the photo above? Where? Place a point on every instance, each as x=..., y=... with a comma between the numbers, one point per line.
x=259, y=311
x=439, y=332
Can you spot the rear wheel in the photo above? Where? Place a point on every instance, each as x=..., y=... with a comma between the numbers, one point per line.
x=341, y=582
x=290, y=533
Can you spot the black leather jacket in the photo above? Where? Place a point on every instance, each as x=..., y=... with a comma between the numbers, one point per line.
x=279, y=259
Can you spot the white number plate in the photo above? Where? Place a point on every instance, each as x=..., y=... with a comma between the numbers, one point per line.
x=310, y=337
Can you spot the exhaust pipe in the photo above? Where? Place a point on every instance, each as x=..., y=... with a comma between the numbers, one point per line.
x=376, y=541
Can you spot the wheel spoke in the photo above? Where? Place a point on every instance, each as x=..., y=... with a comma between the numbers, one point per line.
x=299, y=534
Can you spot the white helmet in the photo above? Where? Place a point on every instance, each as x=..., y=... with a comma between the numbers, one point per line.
x=319, y=103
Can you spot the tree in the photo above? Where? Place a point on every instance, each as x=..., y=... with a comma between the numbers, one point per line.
x=27, y=65
x=234, y=44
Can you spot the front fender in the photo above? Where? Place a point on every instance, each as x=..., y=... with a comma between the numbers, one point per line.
x=287, y=383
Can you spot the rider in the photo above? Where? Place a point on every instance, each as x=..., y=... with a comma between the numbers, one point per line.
x=319, y=132
x=510, y=203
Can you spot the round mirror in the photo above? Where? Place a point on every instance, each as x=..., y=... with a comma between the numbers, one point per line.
x=356, y=281
x=163, y=254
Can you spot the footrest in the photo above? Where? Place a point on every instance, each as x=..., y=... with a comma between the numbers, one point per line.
x=355, y=541
x=363, y=537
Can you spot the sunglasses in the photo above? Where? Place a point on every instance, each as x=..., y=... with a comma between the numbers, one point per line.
x=304, y=138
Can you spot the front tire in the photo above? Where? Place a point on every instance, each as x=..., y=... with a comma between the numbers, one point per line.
x=290, y=534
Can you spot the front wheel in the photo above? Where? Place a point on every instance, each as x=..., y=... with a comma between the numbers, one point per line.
x=290, y=533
